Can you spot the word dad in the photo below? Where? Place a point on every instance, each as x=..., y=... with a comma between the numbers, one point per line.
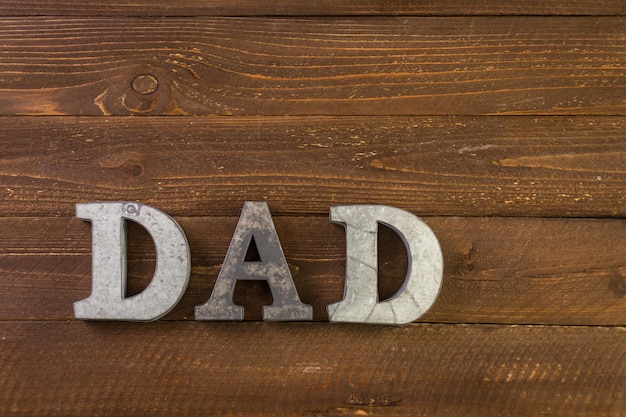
x=173, y=265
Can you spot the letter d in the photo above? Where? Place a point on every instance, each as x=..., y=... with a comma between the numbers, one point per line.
x=107, y=300
x=421, y=285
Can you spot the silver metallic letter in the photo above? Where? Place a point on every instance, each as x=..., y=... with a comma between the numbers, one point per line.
x=421, y=285
x=255, y=223
x=107, y=300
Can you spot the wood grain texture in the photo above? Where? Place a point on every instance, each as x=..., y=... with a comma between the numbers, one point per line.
x=496, y=270
x=164, y=369
x=264, y=66
x=310, y=8
x=511, y=166
x=457, y=111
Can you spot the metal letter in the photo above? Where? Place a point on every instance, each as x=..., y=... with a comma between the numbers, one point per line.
x=421, y=285
x=255, y=223
x=107, y=300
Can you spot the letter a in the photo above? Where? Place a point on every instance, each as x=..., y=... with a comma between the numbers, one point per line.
x=421, y=285
x=255, y=223
x=107, y=300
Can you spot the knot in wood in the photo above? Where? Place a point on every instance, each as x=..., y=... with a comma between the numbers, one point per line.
x=145, y=84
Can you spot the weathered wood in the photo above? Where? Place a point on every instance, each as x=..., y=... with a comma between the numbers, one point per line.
x=164, y=369
x=310, y=8
x=366, y=66
x=496, y=270
x=512, y=166
x=355, y=62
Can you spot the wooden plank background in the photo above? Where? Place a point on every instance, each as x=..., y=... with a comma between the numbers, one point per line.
x=501, y=124
x=317, y=8
x=313, y=66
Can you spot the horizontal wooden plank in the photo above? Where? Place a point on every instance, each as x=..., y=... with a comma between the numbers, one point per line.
x=256, y=369
x=316, y=66
x=496, y=270
x=477, y=166
x=309, y=8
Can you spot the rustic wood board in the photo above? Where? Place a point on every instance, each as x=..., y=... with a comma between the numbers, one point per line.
x=311, y=8
x=463, y=166
x=338, y=102
x=164, y=369
x=264, y=66
x=496, y=270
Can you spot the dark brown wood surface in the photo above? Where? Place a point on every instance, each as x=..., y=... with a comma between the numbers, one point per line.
x=476, y=166
x=311, y=8
x=264, y=66
x=310, y=369
x=496, y=270
x=502, y=124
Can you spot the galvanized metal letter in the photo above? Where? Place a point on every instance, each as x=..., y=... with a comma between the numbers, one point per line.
x=107, y=300
x=421, y=285
x=255, y=223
